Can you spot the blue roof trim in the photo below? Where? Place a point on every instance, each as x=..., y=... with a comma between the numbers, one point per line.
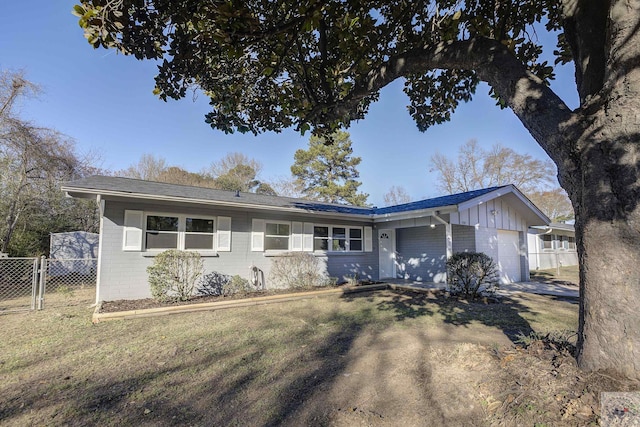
x=344, y=209
x=453, y=199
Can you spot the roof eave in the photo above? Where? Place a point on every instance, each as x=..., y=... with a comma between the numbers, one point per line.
x=398, y=216
x=537, y=214
x=112, y=193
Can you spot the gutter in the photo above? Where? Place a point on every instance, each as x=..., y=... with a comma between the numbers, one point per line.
x=102, y=193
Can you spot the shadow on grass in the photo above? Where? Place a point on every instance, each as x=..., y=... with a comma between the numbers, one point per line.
x=257, y=376
x=277, y=366
x=504, y=314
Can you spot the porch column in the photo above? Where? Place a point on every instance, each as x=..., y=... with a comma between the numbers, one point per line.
x=449, y=237
x=448, y=233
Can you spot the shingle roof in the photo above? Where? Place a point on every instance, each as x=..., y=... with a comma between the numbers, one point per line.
x=97, y=184
x=451, y=200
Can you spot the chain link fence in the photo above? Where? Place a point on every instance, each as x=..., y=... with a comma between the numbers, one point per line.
x=18, y=283
x=30, y=283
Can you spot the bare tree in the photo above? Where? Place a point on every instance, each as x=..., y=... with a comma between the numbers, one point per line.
x=33, y=163
x=477, y=168
x=287, y=187
x=149, y=168
x=396, y=195
x=230, y=162
x=554, y=203
x=176, y=175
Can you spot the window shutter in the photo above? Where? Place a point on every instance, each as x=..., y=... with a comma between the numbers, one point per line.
x=368, y=239
x=307, y=237
x=257, y=235
x=132, y=230
x=296, y=236
x=223, y=234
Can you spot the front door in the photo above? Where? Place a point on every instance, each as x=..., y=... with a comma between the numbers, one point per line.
x=387, y=253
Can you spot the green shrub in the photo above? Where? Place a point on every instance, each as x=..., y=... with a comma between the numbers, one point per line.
x=216, y=283
x=471, y=274
x=297, y=270
x=236, y=285
x=174, y=274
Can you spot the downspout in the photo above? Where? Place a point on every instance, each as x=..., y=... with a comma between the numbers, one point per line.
x=100, y=204
x=448, y=233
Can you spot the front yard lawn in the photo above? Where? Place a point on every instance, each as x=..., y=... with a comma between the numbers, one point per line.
x=383, y=358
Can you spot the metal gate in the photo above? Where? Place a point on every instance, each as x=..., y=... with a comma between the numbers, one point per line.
x=25, y=283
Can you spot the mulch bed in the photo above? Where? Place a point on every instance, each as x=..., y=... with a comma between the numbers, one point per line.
x=141, y=304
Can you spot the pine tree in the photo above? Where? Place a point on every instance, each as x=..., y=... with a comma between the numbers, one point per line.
x=326, y=171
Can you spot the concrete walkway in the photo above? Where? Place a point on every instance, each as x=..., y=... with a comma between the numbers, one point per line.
x=505, y=289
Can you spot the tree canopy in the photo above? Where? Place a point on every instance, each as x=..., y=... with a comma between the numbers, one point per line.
x=309, y=64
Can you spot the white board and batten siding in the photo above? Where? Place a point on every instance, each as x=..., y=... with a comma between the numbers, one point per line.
x=499, y=227
x=495, y=213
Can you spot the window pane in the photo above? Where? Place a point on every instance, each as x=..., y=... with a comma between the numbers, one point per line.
x=321, y=231
x=198, y=241
x=157, y=240
x=547, y=241
x=200, y=225
x=355, y=233
x=355, y=245
x=162, y=223
x=339, y=233
x=273, y=229
x=276, y=243
x=339, y=244
x=320, y=244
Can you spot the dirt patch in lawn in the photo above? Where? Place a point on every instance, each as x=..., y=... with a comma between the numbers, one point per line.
x=384, y=358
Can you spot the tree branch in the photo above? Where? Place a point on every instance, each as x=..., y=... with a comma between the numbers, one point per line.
x=549, y=120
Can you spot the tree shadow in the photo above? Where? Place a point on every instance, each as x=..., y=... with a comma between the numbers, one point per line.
x=503, y=313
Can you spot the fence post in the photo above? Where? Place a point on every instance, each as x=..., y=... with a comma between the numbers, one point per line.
x=43, y=272
x=34, y=283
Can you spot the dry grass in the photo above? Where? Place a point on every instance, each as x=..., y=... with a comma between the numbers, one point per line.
x=383, y=358
x=563, y=275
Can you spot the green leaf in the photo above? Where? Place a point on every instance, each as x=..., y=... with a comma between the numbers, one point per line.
x=78, y=11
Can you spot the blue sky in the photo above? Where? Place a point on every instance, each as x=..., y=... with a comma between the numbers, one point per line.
x=104, y=101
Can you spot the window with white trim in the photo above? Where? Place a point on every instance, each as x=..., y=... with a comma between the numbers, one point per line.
x=276, y=236
x=161, y=232
x=572, y=243
x=164, y=232
x=320, y=238
x=337, y=239
x=546, y=241
x=199, y=233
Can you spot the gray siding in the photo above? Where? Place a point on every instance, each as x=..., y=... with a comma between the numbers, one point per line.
x=464, y=238
x=421, y=253
x=123, y=273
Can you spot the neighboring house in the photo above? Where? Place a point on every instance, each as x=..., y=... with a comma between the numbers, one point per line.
x=73, y=245
x=552, y=246
x=240, y=233
x=75, y=252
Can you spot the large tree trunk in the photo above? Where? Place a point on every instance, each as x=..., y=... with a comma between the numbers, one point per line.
x=605, y=191
x=608, y=236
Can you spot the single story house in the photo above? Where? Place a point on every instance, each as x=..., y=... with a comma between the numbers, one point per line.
x=241, y=233
x=552, y=246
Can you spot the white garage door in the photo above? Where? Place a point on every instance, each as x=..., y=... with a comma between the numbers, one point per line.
x=509, y=256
